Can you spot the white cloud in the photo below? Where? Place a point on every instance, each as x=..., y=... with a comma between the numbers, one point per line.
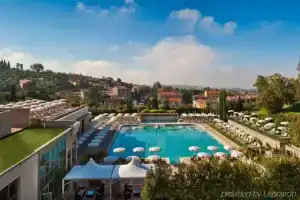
x=207, y=23
x=186, y=14
x=80, y=6
x=178, y=60
x=128, y=7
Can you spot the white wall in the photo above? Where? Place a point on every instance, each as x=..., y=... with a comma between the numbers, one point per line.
x=27, y=172
x=75, y=115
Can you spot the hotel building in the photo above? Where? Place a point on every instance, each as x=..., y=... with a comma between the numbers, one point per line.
x=34, y=156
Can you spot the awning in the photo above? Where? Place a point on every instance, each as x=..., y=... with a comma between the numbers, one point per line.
x=90, y=171
x=132, y=170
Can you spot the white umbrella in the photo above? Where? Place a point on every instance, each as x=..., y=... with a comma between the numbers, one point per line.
x=110, y=159
x=220, y=154
x=119, y=150
x=129, y=158
x=203, y=115
x=194, y=148
x=127, y=115
x=138, y=149
x=203, y=155
x=212, y=148
x=227, y=147
x=268, y=119
x=112, y=115
x=134, y=114
x=113, y=119
x=153, y=157
x=184, y=115
x=280, y=128
x=210, y=115
x=284, y=123
x=231, y=111
x=241, y=114
x=154, y=149
x=120, y=114
x=236, y=154
x=260, y=121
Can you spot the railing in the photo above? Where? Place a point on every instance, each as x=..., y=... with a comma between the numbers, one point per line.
x=46, y=196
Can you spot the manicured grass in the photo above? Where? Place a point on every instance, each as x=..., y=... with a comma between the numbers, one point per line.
x=294, y=108
x=16, y=147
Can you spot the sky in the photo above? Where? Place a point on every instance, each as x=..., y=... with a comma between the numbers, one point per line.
x=193, y=42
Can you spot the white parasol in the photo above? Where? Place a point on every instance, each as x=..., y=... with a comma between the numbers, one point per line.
x=153, y=157
x=154, y=149
x=119, y=150
x=212, y=148
x=138, y=149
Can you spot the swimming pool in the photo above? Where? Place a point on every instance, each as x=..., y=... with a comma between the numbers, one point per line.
x=174, y=141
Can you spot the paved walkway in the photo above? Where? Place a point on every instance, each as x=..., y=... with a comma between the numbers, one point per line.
x=221, y=138
x=265, y=139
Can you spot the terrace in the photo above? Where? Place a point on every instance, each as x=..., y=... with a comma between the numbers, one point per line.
x=18, y=146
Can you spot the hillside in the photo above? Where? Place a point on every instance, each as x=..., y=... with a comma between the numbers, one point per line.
x=48, y=79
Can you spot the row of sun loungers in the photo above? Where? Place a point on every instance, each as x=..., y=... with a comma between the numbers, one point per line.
x=197, y=121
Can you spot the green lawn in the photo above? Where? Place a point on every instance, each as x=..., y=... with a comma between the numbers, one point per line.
x=16, y=147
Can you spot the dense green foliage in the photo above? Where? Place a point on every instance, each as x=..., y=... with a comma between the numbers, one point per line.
x=275, y=91
x=223, y=110
x=224, y=180
x=158, y=111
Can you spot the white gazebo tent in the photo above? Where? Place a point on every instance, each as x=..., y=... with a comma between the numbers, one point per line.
x=132, y=171
x=89, y=171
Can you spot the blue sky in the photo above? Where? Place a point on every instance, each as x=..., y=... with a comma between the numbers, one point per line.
x=211, y=41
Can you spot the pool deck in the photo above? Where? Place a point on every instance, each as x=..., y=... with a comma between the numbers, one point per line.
x=218, y=136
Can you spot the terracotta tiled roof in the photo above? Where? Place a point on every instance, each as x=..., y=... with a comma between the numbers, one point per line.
x=232, y=98
x=212, y=92
x=245, y=97
x=252, y=96
x=170, y=94
x=174, y=100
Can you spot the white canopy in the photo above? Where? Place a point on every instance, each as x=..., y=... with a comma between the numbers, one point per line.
x=132, y=170
x=90, y=171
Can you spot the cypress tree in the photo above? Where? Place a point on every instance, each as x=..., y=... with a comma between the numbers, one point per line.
x=223, y=106
x=13, y=96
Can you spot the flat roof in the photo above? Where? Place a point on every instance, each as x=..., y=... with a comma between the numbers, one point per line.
x=18, y=146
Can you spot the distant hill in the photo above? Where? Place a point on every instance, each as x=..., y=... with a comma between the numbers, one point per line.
x=10, y=75
x=186, y=87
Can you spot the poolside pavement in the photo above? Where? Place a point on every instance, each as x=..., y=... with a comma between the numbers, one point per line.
x=218, y=136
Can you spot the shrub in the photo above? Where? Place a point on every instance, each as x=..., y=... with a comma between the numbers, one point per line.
x=262, y=113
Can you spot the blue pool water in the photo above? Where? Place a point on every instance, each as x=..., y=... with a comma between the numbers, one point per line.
x=174, y=141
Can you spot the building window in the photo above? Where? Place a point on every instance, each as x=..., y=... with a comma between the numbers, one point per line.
x=10, y=192
x=4, y=193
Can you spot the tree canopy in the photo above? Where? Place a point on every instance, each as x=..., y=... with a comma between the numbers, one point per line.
x=275, y=91
x=37, y=67
x=217, y=179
